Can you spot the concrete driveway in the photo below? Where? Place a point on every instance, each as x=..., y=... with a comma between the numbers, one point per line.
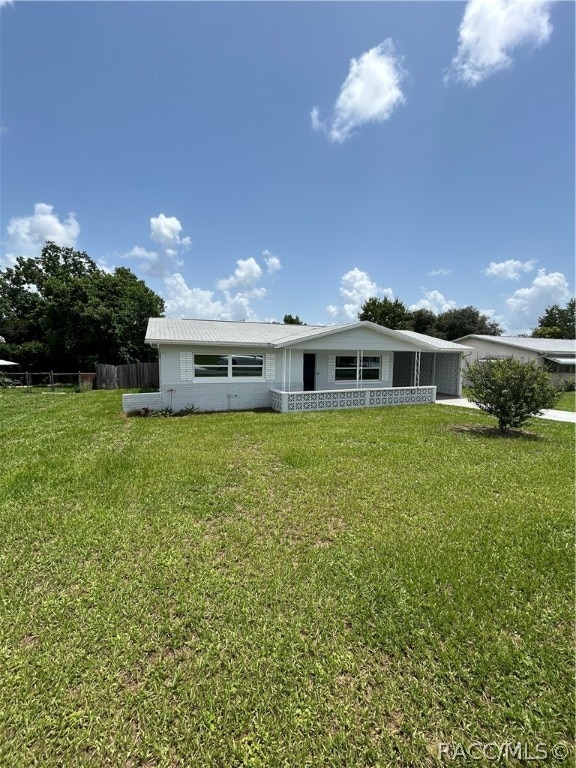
x=549, y=413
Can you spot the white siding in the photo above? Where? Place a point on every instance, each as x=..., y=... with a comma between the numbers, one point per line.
x=484, y=348
x=358, y=338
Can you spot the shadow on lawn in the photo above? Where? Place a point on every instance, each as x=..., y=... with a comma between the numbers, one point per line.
x=480, y=431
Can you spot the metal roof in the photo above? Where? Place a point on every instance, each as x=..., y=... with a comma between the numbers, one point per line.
x=432, y=341
x=166, y=330
x=540, y=346
x=563, y=360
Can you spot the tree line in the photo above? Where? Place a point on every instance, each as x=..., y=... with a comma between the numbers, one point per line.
x=60, y=311
x=556, y=323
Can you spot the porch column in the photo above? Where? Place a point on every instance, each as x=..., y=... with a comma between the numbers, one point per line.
x=357, y=368
x=417, y=369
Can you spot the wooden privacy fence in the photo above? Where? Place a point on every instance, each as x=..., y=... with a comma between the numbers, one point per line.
x=127, y=376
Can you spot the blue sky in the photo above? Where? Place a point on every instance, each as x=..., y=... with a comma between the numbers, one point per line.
x=249, y=160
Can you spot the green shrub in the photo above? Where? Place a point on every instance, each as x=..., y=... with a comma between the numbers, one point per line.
x=511, y=391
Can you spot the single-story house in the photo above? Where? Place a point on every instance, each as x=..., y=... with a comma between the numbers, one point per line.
x=215, y=365
x=557, y=356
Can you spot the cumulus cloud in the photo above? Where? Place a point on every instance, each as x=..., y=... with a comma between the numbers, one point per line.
x=356, y=287
x=247, y=272
x=370, y=93
x=27, y=235
x=33, y=231
x=491, y=30
x=439, y=272
x=165, y=230
x=183, y=301
x=526, y=305
x=433, y=301
x=238, y=290
x=511, y=269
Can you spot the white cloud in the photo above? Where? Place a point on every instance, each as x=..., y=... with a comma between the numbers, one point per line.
x=191, y=302
x=247, y=273
x=439, y=272
x=370, y=93
x=493, y=315
x=141, y=253
x=27, y=235
x=526, y=305
x=273, y=263
x=491, y=29
x=511, y=269
x=317, y=124
x=154, y=263
x=434, y=301
x=238, y=291
x=356, y=287
x=183, y=301
x=166, y=230
x=31, y=232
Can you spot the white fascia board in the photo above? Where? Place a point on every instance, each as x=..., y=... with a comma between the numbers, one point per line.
x=194, y=343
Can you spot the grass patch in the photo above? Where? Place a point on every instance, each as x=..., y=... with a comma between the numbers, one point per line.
x=343, y=588
x=567, y=402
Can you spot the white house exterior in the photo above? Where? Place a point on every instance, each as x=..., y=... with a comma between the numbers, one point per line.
x=213, y=365
x=557, y=356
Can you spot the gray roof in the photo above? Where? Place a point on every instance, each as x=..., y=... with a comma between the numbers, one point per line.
x=432, y=341
x=540, y=346
x=169, y=330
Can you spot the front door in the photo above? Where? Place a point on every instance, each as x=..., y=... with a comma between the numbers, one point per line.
x=309, y=373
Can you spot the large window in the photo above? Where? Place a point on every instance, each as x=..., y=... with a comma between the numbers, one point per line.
x=228, y=366
x=210, y=365
x=247, y=365
x=347, y=368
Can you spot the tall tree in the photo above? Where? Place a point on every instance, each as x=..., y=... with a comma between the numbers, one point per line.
x=62, y=310
x=455, y=323
x=391, y=314
x=422, y=321
x=557, y=322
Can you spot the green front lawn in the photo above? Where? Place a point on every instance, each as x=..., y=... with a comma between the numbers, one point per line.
x=345, y=588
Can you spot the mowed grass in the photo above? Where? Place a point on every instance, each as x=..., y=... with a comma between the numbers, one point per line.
x=567, y=402
x=345, y=588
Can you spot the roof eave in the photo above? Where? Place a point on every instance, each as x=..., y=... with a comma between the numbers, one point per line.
x=197, y=343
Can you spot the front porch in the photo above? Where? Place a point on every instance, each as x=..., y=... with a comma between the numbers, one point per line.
x=366, y=397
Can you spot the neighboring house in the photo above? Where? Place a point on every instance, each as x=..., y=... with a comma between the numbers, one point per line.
x=557, y=356
x=214, y=365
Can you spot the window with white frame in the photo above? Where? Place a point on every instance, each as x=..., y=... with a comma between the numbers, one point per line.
x=228, y=366
x=348, y=369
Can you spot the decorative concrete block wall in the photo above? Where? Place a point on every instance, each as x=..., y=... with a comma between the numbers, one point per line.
x=287, y=402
